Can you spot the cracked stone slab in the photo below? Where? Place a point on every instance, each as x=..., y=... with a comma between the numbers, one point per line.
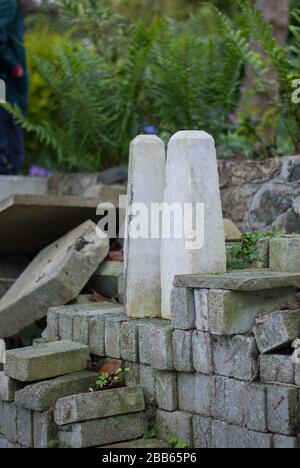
x=240, y=281
x=54, y=278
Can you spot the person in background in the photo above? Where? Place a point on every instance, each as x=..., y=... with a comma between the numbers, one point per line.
x=13, y=73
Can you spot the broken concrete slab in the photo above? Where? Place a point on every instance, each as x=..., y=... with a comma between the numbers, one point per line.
x=46, y=361
x=103, y=431
x=240, y=281
x=32, y=222
x=277, y=330
x=55, y=277
x=89, y=406
x=43, y=395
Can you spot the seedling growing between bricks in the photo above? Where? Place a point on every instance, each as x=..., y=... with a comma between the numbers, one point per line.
x=106, y=380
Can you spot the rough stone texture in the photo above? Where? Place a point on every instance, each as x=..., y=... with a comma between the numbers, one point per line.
x=161, y=348
x=183, y=351
x=8, y=388
x=129, y=341
x=232, y=233
x=132, y=376
x=105, y=279
x=225, y=436
x=235, y=357
x=201, y=306
x=192, y=158
x=96, y=337
x=203, y=353
x=259, y=195
x=25, y=427
x=166, y=390
x=41, y=396
x=204, y=394
x=175, y=424
x=44, y=429
x=234, y=312
x=263, y=251
x=10, y=422
x=285, y=254
x=202, y=432
x=148, y=383
x=283, y=410
x=146, y=330
x=248, y=281
x=103, y=431
x=297, y=375
x=55, y=277
x=140, y=444
x=277, y=368
x=142, y=285
x=186, y=390
x=277, y=330
x=183, y=313
x=113, y=336
x=46, y=361
x=283, y=442
x=89, y=406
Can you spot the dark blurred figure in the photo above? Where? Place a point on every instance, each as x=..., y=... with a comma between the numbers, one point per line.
x=13, y=73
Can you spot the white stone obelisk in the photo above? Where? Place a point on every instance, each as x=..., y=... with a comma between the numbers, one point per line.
x=146, y=182
x=192, y=180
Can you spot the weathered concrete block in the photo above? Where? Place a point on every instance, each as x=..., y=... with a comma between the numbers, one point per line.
x=284, y=442
x=235, y=357
x=204, y=394
x=42, y=395
x=46, y=361
x=202, y=432
x=103, y=431
x=201, y=307
x=44, y=429
x=89, y=406
x=113, y=336
x=183, y=313
x=297, y=374
x=263, y=252
x=183, y=351
x=81, y=329
x=161, y=348
x=146, y=329
x=10, y=418
x=226, y=436
x=285, y=254
x=129, y=341
x=1, y=417
x=105, y=279
x=277, y=368
x=25, y=427
x=283, y=413
x=52, y=325
x=188, y=153
x=143, y=285
x=8, y=388
x=132, y=376
x=186, y=391
x=65, y=325
x=148, y=383
x=55, y=277
x=277, y=330
x=166, y=390
x=203, y=353
x=175, y=424
x=240, y=403
x=97, y=336
x=234, y=312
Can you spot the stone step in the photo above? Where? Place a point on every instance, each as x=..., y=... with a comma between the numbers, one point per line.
x=106, y=431
x=140, y=444
x=97, y=405
x=37, y=363
x=240, y=281
x=43, y=395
